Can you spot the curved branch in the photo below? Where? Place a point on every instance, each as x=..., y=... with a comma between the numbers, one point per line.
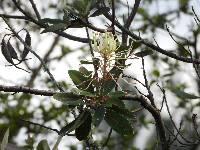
x=152, y=46
x=156, y=115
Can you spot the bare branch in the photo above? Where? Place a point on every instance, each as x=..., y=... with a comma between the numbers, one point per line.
x=35, y=9
x=152, y=46
x=156, y=115
x=35, y=71
x=133, y=13
x=27, y=90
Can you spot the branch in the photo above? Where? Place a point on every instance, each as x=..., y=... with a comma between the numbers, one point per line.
x=141, y=99
x=30, y=18
x=23, y=12
x=37, y=124
x=133, y=13
x=14, y=17
x=36, y=55
x=27, y=90
x=152, y=46
x=36, y=70
x=35, y=9
x=130, y=19
x=113, y=17
x=156, y=115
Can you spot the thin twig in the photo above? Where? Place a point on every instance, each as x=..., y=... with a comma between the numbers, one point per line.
x=14, y=17
x=133, y=13
x=113, y=17
x=37, y=124
x=35, y=9
x=130, y=77
x=36, y=55
x=156, y=115
x=36, y=70
x=195, y=125
x=150, y=94
x=195, y=14
x=171, y=118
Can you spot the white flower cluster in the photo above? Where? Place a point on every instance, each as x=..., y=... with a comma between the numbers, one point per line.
x=105, y=44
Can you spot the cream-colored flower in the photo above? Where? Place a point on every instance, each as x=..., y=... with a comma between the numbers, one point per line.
x=105, y=44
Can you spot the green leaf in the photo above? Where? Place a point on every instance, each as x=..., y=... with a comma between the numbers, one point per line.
x=55, y=27
x=43, y=145
x=78, y=23
x=5, y=140
x=85, y=93
x=108, y=86
x=114, y=99
x=76, y=123
x=144, y=53
x=118, y=122
x=51, y=21
x=82, y=82
x=100, y=11
x=117, y=94
x=83, y=130
x=184, y=95
x=98, y=116
x=85, y=72
x=69, y=98
x=123, y=111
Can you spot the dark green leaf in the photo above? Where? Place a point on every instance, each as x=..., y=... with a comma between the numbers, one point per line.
x=69, y=98
x=12, y=50
x=51, y=21
x=85, y=72
x=78, y=23
x=122, y=49
x=83, y=130
x=82, y=82
x=85, y=93
x=117, y=94
x=118, y=122
x=4, y=142
x=98, y=116
x=108, y=86
x=144, y=53
x=75, y=124
x=114, y=99
x=100, y=11
x=28, y=42
x=43, y=145
x=123, y=111
x=6, y=52
x=55, y=27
